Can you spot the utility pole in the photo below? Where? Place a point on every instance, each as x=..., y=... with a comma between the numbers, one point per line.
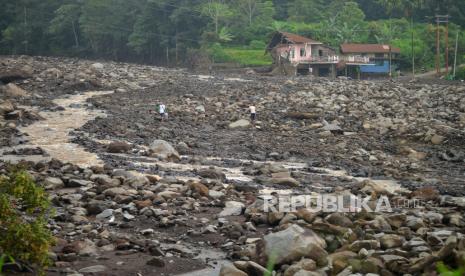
x=390, y=62
x=413, y=53
x=437, y=45
x=455, y=54
x=447, y=48
x=390, y=47
x=442, y=19
x=26, y=46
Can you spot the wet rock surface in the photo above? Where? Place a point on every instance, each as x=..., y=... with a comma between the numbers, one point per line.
x=186, y=195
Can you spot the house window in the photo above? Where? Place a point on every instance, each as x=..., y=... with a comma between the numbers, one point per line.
x=302, y=52
x=292, y=53
x=320, y=53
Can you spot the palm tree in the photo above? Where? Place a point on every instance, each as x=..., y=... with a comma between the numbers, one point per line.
x=277, y=26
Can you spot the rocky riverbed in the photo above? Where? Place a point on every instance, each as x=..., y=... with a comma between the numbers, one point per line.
x=135, y=195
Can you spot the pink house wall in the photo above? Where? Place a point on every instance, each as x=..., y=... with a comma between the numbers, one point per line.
x=296, y=47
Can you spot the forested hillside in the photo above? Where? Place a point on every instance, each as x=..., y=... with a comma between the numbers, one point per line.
x=168, y=31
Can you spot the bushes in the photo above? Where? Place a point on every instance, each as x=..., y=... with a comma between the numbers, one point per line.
x=257, y=45
x=24, y=209
x=460, y=74
x=218, y=54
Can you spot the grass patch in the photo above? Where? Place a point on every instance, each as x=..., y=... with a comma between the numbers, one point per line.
x=248, y=57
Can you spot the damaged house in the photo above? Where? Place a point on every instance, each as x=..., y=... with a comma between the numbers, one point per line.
x=294, y=54
x=297, y=55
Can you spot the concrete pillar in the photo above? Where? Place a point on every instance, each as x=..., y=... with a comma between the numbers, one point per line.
x=333, y=71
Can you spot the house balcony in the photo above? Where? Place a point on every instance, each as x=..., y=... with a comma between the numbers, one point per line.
x=350, y=60
x=321, y=60
x=356, y=60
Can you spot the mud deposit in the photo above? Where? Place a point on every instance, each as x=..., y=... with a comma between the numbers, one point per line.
x=135, y=195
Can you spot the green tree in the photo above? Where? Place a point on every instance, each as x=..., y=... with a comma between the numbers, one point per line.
x=104, y=23
x=256, y=11
x=307, y=10
x=65, y=24
x=217, y=11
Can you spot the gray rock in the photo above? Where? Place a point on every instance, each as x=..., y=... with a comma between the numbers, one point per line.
x=6, y=107
x=294, y=243
x=76, y=183
x=112, y=192
x=93, y=269
x=98, y=66
x=200, y=109
x=53, y=183
x=14, y=91
x=230, y=270
x=163, y=150
x=391, y=241
x=232, y=208
x=239, y=124
x=106, y=214
x=215, y=194
x=118, y=147
x=157, y=261
x=285, y=181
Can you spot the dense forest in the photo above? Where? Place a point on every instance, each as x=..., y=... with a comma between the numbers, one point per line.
x=170, y=31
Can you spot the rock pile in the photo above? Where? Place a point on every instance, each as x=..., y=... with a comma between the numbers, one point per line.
x=199, y=180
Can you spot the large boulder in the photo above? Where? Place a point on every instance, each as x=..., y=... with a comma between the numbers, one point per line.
x=6, y=107
x=131, y=178
x=293, y=244
x=239, y=124
x=164, y=150
x=230, y=270
x=97, y=66
x=7, y=76
x=285, y=181
x=14, y=91
x=212, y=173
x=118, y=147
x=232, y=208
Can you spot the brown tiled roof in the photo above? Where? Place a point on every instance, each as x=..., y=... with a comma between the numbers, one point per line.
x=367, y=48
x=298, y=39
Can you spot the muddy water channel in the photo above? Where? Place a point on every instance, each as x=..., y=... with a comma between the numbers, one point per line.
x=53, y=133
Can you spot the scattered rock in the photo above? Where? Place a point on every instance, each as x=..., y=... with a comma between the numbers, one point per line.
x=157, y=261
x=118, y=147
x=232, y=208
x=14, y=91
x=163, y=150
x=294, y=243
x=240, y=124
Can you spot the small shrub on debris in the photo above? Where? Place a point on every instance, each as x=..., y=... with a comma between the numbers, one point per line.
x=24, y=210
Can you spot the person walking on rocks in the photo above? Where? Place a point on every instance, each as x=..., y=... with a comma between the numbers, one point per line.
x=253, y=113
x=162, y=111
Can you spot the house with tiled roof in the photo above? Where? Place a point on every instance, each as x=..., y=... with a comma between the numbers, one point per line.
x=383, y=59
x=294, y=54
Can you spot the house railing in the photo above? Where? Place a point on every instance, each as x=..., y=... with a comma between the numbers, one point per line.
x=337, y=59
x=356, y=59
x=329, y=59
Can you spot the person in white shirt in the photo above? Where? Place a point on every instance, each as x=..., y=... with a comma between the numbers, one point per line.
x=253, y=113
x=162, y=109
